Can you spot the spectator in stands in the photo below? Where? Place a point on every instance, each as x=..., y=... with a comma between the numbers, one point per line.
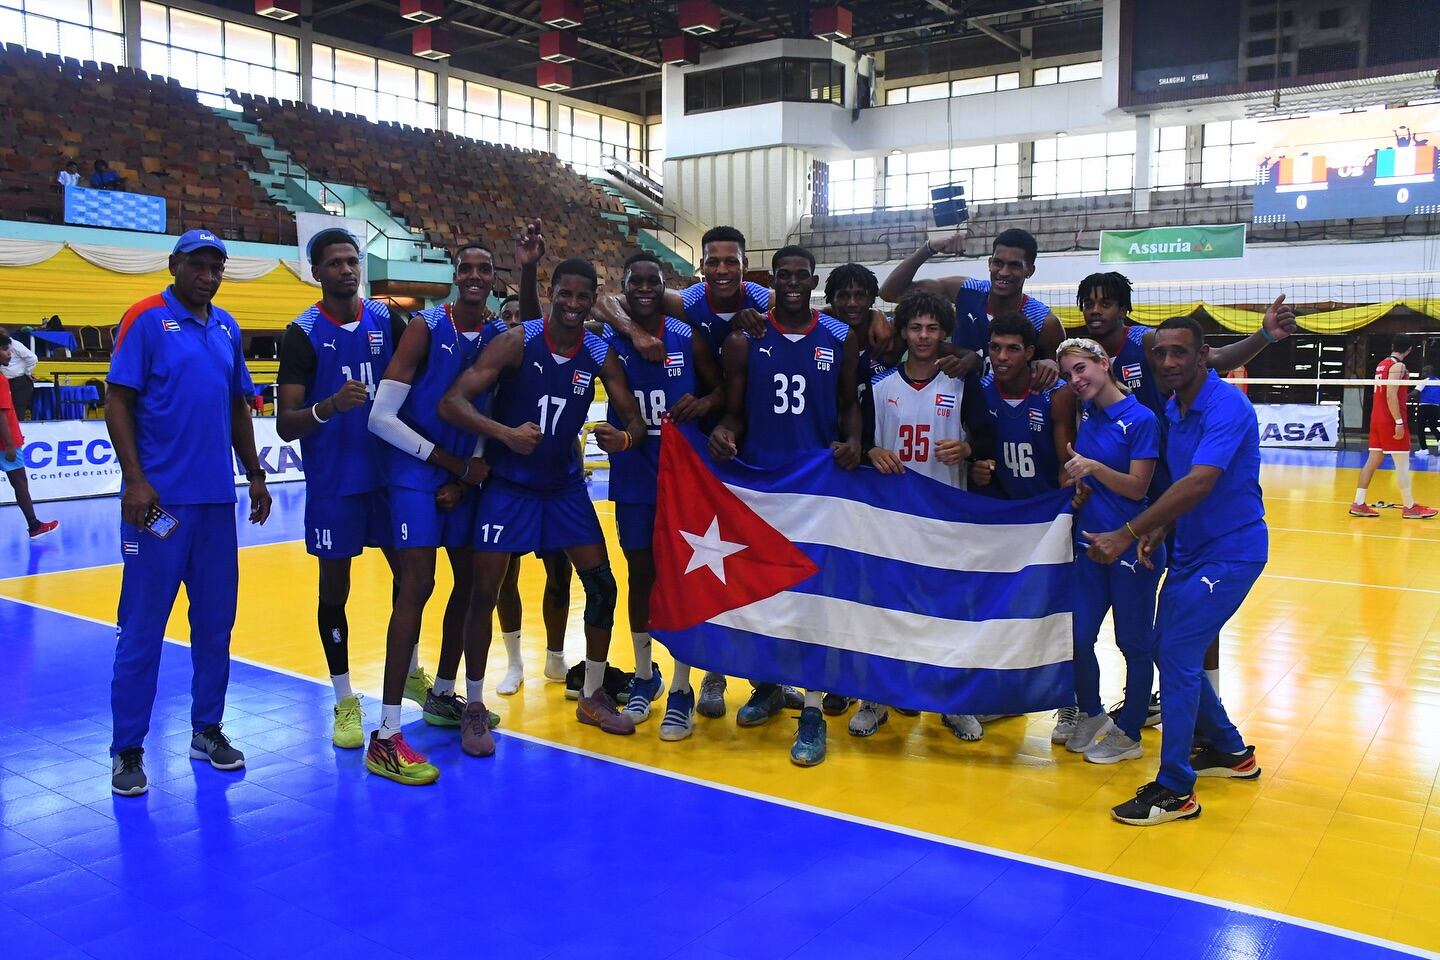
x=19, y=371
x=12, y=462
x=70, y=176
x=104, y=178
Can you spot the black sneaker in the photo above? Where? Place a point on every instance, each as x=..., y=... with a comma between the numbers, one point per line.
x=1209, y=762
x=617, y=682
x=834, y=704
x=212, y=744
x=1152, y=712
x=1155, y=804
x=127, y=773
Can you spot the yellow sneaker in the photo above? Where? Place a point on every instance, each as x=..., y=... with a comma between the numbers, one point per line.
x=417, y=686
x=349, y=724
x=396, y=760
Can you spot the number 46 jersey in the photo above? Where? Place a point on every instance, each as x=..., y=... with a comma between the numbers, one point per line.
x=1025, y=461
x=657, y=387
x=912, y=418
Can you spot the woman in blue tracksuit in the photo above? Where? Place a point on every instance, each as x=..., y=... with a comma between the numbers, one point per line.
x=1115, y=450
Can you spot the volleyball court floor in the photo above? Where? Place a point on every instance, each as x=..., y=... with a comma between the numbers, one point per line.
x=573, y=843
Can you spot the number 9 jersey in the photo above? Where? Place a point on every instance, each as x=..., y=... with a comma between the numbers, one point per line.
x=792, y=386
x=321, y=353
x=1025, y=462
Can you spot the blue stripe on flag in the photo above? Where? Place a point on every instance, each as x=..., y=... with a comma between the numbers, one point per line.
x=1036, y=591
x=883, y=679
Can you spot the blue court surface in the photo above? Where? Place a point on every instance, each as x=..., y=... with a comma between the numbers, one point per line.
x=544, y=852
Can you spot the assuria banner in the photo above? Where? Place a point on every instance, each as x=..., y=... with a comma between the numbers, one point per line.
x=895, y=589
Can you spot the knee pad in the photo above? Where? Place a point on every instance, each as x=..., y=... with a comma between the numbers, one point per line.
x=600, y=595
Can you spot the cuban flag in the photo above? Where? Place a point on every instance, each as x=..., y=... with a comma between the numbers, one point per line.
x=1037, y=419
x=676, y=359
x=945, y=401
x=170, y=325
x=824, y=355
x=892, y=588
x=582, y=379
x=1130, y=371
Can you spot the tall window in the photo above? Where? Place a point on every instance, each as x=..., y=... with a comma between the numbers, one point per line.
x=655, y=149
x=989, y=172
x=210, y=55
x=375, y=89
x=1227, y=154
x=852, y=185
x=586, y=138
x=1074, y=71
x=1167, y=158
x=499, y=116
x=1084, y=165
x=82, y=29
x=955, y=88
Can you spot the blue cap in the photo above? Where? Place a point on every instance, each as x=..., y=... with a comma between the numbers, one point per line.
x=198, y=240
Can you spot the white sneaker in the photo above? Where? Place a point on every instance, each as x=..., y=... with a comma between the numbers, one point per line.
x=870, y=717
x=1115, y=746
x=1088, y=731
x=966, y=726
x=555, y=668
x=1066, y=719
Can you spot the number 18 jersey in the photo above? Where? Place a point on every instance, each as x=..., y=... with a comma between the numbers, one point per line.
x=792, y=385
x=1026, y=464
x=656, y=387
x=553, y=391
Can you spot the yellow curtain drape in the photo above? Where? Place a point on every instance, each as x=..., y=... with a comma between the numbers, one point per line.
x=1240, y=320
x=83, y=294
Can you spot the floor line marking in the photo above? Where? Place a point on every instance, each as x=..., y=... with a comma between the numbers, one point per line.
x=1348, y=583
x=865, y=821
x=1350, y=533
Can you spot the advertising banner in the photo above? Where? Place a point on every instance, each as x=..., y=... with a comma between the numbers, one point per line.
x=1298, y=425
x=1173, y=243
x=309, y=224
x=1374, y=163
x=67, y=459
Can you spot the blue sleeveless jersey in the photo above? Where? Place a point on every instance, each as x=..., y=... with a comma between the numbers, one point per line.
x=972, y=321
x=656, y=387
x=712, y=326
x=343, y=457
x=791, y=387
x=450, y=353
x=1025, y=461
x=553, y=393
x=1132, y=368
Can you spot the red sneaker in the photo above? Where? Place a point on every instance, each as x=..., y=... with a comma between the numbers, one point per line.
x=1363, y=510
x=1416, y=511
x=49, y=526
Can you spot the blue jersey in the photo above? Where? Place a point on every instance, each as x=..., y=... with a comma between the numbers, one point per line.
x=656, y=386
x=1025, y=465
x=972, y=316
x=1114, y=435
x=1429, y=392
x=343, y=457
x=1132, y=368
x=554, y=392
x=791, y=391
x=450, y=353
x=714, y=326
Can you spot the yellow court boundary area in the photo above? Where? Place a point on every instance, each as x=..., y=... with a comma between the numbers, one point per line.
x=1332, y=669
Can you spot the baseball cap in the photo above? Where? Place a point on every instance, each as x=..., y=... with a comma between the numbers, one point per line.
x=194, y=240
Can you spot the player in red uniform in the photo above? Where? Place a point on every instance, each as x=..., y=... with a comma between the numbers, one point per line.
x=1390, y=434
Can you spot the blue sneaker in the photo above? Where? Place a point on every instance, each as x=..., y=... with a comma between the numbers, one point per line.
x=642, y=694
x=679, y=719
x=809, y=747
x=766, y=700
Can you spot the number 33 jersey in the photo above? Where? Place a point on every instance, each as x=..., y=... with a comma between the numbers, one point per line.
x=657, y=387
x=553, y=391
x=913, y=417
x=792, y=387
x=1025, y=461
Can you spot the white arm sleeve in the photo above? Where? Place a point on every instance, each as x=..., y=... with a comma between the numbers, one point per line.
x=479, y=447
x=386, y=424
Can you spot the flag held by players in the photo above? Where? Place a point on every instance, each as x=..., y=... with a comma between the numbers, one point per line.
x=895, y=589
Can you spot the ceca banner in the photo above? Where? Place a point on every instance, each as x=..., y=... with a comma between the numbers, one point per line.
x=66, y=459
x=1298, y=425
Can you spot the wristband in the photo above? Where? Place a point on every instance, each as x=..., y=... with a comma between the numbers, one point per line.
x=628, y=441
x=1132, y=530
x=929, y=249
x=315, y=412
x=1266, y=334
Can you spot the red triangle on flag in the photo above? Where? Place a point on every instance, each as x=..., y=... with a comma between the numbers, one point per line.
x=712, y=552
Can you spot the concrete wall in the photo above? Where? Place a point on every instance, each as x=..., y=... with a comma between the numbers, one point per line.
x=763, y=192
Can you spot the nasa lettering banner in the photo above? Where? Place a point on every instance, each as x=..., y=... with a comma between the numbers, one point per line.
x=1375, y=163
x=1173, y=243
x=69, y=459
x=1298, y=425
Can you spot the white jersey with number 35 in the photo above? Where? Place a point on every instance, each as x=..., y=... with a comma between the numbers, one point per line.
x=912, y=418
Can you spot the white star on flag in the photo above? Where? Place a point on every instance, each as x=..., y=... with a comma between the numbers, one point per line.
x=709, y=550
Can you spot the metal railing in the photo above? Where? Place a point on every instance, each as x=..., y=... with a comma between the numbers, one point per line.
x=636, y=174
